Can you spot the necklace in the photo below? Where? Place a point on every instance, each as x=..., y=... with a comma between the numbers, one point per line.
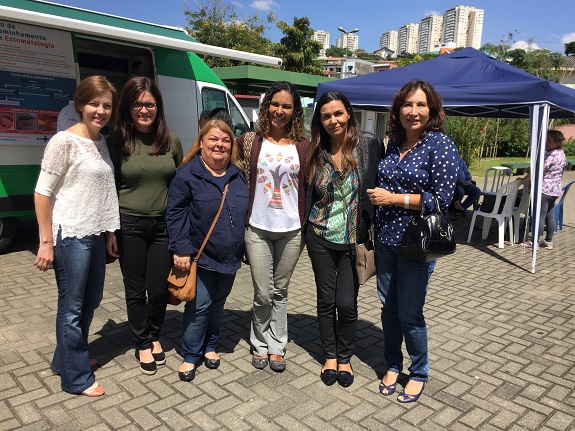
x=406, y=147
x=86, y=133
x=337, y=165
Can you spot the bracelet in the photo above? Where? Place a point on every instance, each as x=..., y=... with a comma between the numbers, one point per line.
x=406, y=202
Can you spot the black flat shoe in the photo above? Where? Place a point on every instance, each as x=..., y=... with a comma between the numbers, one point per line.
x=187, y=376
x=277, y=366
x=148, y=368
x=211, y=363
x=328, y=376
x=345, y=378
x=160, y=358
x=260, y=362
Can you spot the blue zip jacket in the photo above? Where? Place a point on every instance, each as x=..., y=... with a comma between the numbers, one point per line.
x=193, y=201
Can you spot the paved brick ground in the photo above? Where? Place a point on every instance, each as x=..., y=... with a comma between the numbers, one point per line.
x=502, y=347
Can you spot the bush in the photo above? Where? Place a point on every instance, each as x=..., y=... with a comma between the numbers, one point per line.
x=569, y=147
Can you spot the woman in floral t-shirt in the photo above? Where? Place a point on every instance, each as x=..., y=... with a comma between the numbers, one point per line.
x=551, y=187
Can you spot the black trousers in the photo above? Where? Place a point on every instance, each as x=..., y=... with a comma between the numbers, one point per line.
x=337, y=289
x=145, y=262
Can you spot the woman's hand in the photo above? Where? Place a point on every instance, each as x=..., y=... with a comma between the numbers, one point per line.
x=45, y=256
x=380, y=196
x=182, y=261
x=112, y=244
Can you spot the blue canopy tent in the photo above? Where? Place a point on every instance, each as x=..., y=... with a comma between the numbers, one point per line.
x=472, y=83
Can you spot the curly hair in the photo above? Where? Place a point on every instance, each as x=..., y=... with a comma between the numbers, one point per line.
x=320, y=140
x=434, y=103
x=295, y=127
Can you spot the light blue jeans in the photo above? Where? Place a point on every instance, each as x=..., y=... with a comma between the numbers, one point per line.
x=402, y=287
x=273, y=257
x=203, y=315
x=80, y=268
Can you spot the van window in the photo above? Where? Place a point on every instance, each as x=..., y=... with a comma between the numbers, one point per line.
x=240, y=126
x=213, y=98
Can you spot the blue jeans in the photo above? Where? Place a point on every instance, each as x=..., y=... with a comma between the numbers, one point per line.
x=203, y=315
x=273, y=257
x=402, y=286
x=80, y=268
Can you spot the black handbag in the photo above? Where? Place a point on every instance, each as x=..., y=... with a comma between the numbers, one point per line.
x=429, y=235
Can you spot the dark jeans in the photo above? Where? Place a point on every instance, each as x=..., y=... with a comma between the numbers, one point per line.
x=471, y=190
x=145, y=262
x=337, y=289
x=80, y=268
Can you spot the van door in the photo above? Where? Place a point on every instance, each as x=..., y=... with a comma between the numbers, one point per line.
x=217, y=97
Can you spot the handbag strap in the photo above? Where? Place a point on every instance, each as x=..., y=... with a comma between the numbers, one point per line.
x=213, y=224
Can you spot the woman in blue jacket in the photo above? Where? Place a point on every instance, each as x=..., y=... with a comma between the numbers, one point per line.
x=193, y=201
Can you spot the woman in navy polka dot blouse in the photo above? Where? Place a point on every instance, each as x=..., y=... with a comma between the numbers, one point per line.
x=420, y=162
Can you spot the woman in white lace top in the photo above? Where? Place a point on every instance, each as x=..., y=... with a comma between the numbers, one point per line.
x=76, y=205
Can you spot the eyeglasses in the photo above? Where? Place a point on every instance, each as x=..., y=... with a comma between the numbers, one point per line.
x=150, y=106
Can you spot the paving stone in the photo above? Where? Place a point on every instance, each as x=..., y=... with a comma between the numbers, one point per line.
x=502, y=352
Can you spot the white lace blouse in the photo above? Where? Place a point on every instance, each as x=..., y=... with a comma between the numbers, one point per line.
x=84, y=200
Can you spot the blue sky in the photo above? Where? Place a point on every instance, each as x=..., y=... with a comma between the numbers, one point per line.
x=528, y=19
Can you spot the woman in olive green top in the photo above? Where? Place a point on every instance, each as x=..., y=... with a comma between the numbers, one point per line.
x=145, y=156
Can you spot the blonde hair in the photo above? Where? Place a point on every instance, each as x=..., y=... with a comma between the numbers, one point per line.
x=197, y=145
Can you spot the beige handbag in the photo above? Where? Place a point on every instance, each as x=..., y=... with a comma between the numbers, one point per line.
x=364, y=261
x=182, y=284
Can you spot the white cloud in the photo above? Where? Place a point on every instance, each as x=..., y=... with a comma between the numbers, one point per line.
x=238, y=4
x=526, y=45
x=263, y=4
x=431, y=12
x=569, y=37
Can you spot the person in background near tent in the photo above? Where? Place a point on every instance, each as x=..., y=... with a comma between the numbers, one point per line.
x=194, y=198
x=464, y=186
x=420, y=163
x=276, y=161
x=145, y=156
x=341, y=167
x=550, y=188
x=76, y=206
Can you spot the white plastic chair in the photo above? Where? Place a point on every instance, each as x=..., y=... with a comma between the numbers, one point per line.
x=522, y=208
x=495, y=177
x=504, y=216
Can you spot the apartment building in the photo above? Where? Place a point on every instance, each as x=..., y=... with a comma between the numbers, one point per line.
x=430, y=30
x=351, y=41
x=322, y=37
x=463, y=25
x=407, y=39
x=389, y=40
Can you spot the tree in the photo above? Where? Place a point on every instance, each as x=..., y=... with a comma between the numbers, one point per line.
x=297, y=48
x=335, y=51
x=364, y=55
x=215, y=22
x=570, y=48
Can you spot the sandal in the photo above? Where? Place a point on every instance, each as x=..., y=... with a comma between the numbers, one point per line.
x=389, y=389
x=408, y=398
x=94, y=391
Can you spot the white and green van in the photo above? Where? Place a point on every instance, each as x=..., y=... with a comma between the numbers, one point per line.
x=46, y=49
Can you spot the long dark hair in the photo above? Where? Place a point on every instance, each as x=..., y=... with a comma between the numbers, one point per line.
x=295, y=127
x=124, y=130
x=434, y=102
x=321, y=141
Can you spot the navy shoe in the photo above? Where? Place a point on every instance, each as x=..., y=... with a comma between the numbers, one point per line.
x=389, y=389
x=407, y=398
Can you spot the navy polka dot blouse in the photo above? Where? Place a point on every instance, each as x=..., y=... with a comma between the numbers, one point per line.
x=430, y=168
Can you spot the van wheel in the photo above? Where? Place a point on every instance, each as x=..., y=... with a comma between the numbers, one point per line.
x=7, y=232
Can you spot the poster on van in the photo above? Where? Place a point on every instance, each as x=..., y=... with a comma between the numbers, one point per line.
x=37, y=79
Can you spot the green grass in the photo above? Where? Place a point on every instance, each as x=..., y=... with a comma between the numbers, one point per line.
x=478, y=168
